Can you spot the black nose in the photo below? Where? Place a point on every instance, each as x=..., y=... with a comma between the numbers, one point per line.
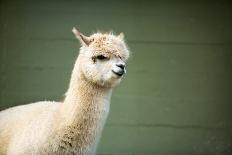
x=122, y=66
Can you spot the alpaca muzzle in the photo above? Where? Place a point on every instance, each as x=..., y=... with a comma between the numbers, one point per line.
x=120, y=70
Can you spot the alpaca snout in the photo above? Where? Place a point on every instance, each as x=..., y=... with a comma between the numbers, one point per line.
x=120, y=70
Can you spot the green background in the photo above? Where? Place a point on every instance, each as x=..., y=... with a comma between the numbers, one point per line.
x=176, y=97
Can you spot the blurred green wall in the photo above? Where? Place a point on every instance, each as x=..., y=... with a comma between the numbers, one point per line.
x=176, y=97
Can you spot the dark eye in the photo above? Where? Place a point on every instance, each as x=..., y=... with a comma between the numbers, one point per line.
x=101, y=57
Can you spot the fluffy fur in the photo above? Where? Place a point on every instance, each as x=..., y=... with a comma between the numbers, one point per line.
x=75, y=125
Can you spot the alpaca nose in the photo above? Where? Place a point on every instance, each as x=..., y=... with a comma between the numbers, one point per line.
x=122, y=66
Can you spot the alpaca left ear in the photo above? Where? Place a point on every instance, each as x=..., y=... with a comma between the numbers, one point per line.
x=83, y=39
x=121, y=36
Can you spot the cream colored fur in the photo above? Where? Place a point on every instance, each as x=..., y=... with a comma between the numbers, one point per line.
x=75, y=125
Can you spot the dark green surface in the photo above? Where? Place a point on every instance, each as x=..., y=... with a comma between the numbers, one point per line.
x=176, y=97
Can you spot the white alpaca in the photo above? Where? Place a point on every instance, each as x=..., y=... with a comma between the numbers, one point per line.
x=73, y=126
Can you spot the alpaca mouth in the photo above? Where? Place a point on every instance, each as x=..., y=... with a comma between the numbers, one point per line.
x=119, y=73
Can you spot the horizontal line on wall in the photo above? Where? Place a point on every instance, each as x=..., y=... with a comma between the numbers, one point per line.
x=174, y=126
x=132, y=41
x=179, y=42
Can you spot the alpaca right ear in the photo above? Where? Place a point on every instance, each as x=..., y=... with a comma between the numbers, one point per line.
x=83, y=39
x=121, y=36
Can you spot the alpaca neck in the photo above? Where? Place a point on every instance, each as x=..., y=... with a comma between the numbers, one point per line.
x=84, y=111
x=84, y=98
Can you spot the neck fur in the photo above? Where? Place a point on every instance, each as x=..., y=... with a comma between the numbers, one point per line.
x=84, y=97
x=83, y=112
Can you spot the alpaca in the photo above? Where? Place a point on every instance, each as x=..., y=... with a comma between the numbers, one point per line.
x=73, y=126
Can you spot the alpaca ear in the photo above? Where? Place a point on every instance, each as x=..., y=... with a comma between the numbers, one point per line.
x=121, y=36
x=83, y=39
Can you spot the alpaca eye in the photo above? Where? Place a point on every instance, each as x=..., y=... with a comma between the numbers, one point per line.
x=101, y=57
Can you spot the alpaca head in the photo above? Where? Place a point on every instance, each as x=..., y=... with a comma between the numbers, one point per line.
x=102, y=58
